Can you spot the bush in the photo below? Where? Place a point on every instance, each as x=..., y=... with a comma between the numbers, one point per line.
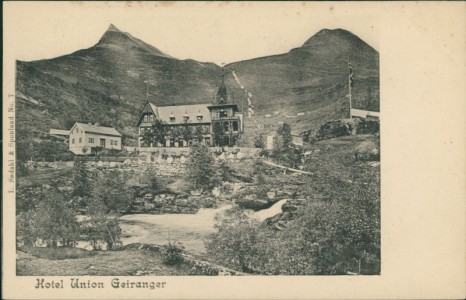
x=53, y=221
x=172, y=254
x=367, y=150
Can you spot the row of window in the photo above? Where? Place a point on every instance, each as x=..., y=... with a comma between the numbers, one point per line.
x=92, y=141
x=185, y=118
x=149, y=118
x=175, y=143
x=205, y=129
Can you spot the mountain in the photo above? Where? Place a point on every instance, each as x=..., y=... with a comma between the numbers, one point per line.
x=309, y=85
x=106, y=83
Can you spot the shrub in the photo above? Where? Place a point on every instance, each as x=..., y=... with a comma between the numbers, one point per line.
x=53, y=221
x=367, y=150
x=172, y=254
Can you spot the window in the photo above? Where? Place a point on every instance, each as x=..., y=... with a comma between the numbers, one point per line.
x=226, y=126
x=91, y=140
x=115, y=143
x=223, y=114
x=185, y=118
x=199, y=117
x=111, y=142
x=72, y=141
x=80, y=140
x=172, y=119
x=235, y=126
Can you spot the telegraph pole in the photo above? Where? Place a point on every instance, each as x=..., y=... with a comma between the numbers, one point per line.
x=350, y=79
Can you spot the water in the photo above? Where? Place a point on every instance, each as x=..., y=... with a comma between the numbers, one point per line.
x=263, y=214
x=191, y=230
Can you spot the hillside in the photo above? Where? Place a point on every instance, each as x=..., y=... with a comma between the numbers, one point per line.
x=106, y=83
x=311, y=80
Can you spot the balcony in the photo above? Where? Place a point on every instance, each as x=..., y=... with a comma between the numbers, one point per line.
x=230, y=118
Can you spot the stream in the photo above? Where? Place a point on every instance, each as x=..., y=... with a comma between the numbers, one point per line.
x=191, y=230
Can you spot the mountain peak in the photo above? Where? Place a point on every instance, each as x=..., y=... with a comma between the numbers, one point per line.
x=114, y=38
x=326, y=35
x=113, y=28
x=336, y=38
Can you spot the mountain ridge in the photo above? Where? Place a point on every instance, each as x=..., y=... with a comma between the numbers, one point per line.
x=107, y=82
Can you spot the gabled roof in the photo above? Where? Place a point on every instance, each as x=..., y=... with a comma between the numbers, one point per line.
x=59, y=132
x=91, y=128
x=179, y=112
x=364, y=113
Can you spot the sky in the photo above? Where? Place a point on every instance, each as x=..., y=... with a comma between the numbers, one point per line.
x=219, y=32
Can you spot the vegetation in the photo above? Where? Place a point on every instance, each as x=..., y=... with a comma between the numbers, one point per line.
x=156, y=134
x=81, y=181
x=101, y=227
x=335, y=229
x=58, y=253
x=259, y=142
x=53, y=221
x=286, y=152
x=200, y=168
x=110, y=188
x=172, y=254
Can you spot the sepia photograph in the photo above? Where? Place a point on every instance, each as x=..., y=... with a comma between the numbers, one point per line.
x=164, y=142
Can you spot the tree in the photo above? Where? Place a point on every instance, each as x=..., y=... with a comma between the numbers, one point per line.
x=186, y=132
x=156, y=134
x=53, y=221
x=81, y=181
x=200, y=167
x=285, y=132
x=259, y=142
x=198, y=133
x=110, y=188
x=235, y=240
x=101, y=227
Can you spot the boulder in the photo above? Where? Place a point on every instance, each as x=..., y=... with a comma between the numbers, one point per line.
x=254, y=204
x=271, y=195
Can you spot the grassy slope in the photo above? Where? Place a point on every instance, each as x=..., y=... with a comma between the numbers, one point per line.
x=104, y=263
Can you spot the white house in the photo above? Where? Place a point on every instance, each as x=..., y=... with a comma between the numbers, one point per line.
x=86, y=138
x=364, y=114
x=271, y=140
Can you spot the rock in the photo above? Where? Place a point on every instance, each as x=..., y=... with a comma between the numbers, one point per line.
x=182, y=202
x=148, y=197
x=254, y=204
x=271, y=195
x=170, y=197
x=216, y=192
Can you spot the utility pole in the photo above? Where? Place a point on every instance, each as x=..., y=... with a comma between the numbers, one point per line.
x=350, y=79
